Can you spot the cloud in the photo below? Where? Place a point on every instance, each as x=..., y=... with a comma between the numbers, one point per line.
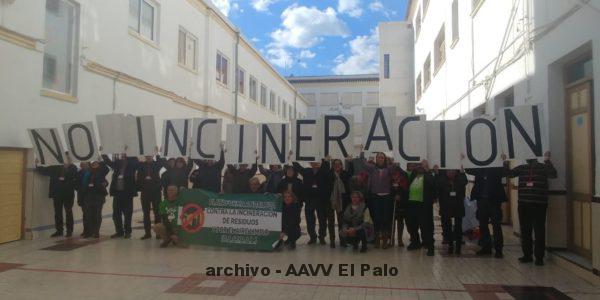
x=307, y=54
x=304, y=27
x=279, y=57
x=363, y=58
x=262, y=5
x=350, y=7
x=376, y=6
x=226, y=6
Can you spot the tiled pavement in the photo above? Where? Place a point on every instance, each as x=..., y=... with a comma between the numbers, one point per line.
x=134, y=269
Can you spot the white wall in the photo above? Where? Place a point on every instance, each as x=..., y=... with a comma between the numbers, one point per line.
x=105, y=40
x=396, y=39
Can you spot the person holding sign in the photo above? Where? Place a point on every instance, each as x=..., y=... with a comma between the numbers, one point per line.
x=316, y=191
x=208, y=174
x=148, y=182
x=400, y=194
x=84, y=166
x=451, y=186
x=380, y=186
x=94, y=193
x=489, y=193
x=290, y=183
x=421, y=195
x=274, y=175
x=533, y=203
x=122, y=188
x=176, y=173
x=63, y=180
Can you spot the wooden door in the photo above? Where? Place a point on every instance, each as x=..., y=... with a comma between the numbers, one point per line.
x=12, y=172
x=580, y=126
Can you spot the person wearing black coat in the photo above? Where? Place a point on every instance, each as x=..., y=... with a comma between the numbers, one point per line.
x=489, y=192
x=290, y=219
x=451, y=186
x=93, y=185
x=63, y=182
x=240, y=178
x=274, y=175
x=208, y=174
x=122, y=188
x=316, y=192
x=83, y=168
x=149, y=184
x=400, y=194
x=177, y=172
x=290, y=182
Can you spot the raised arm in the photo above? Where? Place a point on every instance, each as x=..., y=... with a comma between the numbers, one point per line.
x=297, y=167
x=108, y=161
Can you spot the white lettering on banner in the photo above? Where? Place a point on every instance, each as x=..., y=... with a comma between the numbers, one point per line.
x=241, y=143
x=480, y=145
x=521, y=134
x=518, y=131
x=175, y=137
x=140, y=135
x=81, y=141
x=242, y=218
x=377, y=128
x=410, y=139
x=207, y=138
x=443, y=144
x=48, y=146
x=110, y=130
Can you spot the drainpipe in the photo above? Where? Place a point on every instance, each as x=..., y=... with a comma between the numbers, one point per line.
x=236, y=76
x=295, y=98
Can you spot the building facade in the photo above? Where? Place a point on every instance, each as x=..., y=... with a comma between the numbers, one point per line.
x=476, y=57
x=69, y=60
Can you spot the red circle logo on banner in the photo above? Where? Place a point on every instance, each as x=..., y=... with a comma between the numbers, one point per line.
x=192, y=218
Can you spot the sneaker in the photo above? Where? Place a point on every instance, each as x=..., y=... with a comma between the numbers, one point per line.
x=127, y=235
x=57, y=234
x=499, y=254
x=146, y=236
x=312, y=241
x=116, y=235
x=525, y=259
x=539, y=262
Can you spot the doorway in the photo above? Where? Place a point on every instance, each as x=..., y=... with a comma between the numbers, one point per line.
x=12, y=174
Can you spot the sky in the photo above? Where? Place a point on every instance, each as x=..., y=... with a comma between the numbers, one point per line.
x=315, y=37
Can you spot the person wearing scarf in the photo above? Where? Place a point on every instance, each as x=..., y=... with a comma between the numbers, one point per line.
x=93, y=185
x=380, y=187
x=339, y=198
x=354, y=220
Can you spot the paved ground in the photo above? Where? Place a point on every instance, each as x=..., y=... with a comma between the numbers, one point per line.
x=133, y=269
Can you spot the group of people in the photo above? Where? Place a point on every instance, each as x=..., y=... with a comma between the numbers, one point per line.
x=370, y=201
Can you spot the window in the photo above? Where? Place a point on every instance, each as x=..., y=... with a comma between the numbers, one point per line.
x=386, y=66
x=187, y=50
x=272, y=101
x=60, y=53
x=291, y=112
x=284, y=110
x=417, y=25
x=427, y=72
x=241, y=81
x=279, y=106
x=418, y=87
x=263, y=95
x=455, y=28
x=253, y=88
x=475, y=5
x=222, y=67
x=143, y=18
x=440, y=49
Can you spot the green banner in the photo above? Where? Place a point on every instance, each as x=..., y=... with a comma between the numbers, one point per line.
x=241, y=221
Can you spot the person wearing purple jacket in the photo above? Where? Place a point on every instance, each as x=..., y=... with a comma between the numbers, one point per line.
x=380, y=187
